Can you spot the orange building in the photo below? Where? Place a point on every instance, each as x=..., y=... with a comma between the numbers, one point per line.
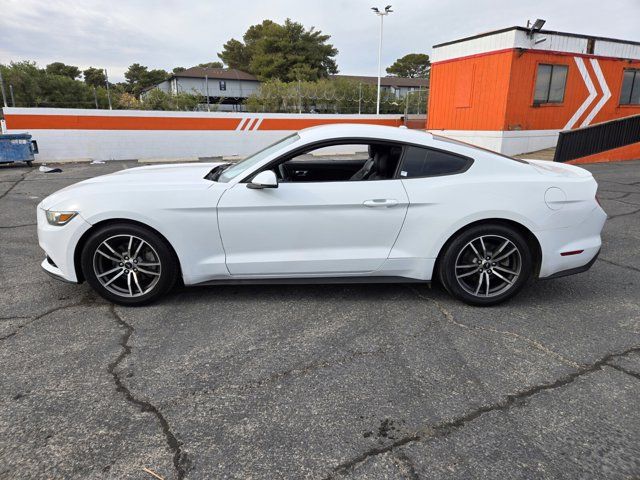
x=513, y=90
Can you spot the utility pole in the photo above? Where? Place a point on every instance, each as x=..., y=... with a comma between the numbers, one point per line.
x=13, y=100
x=206, y=86
x=406, y=106
x=4, y=97
x=299, y=97
x=387, y=11
x=95, y=96
x=360, y=98
x=106, y=77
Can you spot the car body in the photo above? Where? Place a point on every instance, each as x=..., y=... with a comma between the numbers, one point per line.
x=393, y=227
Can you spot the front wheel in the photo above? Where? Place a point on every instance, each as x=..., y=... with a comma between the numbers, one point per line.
x=486, y=264
x=128, y=264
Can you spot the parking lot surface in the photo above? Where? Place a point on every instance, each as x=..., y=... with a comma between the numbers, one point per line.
x=339, y=382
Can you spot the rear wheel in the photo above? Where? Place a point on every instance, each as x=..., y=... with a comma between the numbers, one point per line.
x=128, y=264
x=486, y=264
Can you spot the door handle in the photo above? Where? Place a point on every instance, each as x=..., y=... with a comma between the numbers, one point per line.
x=381, y=202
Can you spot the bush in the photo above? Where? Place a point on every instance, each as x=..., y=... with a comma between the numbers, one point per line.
x=328, y=96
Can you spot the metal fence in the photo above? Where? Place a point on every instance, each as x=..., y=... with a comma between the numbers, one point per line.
x=598, y=138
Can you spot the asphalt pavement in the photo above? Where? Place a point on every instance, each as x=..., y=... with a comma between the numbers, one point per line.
x=319, y=382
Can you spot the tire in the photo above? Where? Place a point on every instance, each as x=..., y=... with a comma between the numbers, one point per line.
x=129, y=264
x=478, y=268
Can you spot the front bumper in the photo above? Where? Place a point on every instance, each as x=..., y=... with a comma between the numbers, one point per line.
x=53, y=271
x=59, y=244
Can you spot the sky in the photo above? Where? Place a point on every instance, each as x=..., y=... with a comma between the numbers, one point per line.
x=166, y=34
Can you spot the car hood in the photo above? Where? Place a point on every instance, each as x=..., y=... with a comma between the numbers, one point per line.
x=141, y=178
x=171, y=173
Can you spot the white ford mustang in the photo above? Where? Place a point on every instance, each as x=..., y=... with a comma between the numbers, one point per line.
x=340, y=203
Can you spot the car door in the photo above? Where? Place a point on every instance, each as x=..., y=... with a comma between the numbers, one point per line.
x=306, y=229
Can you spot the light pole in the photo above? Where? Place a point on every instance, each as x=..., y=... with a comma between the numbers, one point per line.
x=106, y=81
x=387, y=10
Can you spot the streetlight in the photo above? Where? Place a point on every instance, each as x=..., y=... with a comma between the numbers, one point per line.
x=387, y=11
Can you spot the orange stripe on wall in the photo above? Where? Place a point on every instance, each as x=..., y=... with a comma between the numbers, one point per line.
x=628, y=152
x=87, y=122
x=300, y=123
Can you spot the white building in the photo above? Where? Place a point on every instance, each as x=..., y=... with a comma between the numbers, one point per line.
x=226, y=88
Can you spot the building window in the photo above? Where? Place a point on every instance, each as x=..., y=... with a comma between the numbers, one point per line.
x=550, y=83
x=630, y=92
x=223, y=85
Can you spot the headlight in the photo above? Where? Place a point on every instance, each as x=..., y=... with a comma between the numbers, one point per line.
x=59, y=218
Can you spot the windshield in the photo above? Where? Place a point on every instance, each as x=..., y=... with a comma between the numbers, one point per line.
x=235, y=170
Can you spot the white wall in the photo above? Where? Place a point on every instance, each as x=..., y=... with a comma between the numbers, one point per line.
x=508, y=142
x=63, y=140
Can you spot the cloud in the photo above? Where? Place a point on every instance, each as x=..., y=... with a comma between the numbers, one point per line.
x=165, y=34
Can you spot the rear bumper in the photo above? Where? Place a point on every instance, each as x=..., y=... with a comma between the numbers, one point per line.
x=584, y=237
x=573, y=271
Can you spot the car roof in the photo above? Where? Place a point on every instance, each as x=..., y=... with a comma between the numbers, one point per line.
x=381, y=132
x=361, y=130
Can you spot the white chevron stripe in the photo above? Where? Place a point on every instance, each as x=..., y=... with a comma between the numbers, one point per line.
x=257, y=125
x=606, y=93
x=250, y=124
x=241, y=124
x=592, y=93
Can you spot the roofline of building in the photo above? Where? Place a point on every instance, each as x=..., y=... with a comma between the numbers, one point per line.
x=548, y=32
x=210, y=78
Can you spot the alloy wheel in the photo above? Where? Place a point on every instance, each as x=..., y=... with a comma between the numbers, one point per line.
x=488, y=266
x=127, y=265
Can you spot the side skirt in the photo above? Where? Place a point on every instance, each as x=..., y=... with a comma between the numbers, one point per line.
x=311, y=281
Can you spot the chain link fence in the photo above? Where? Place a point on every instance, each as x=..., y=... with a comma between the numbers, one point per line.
x=30, y=87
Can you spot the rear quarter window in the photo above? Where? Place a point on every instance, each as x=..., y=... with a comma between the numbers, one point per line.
x=424, y=162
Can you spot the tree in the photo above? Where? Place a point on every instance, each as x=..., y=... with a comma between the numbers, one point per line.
x=94, y=77
x=286, y=52
x=211, y=65
x=178, y=69
x=140, y=77
x=35, y=87
x=25, y=77
x=413, y=65
x=59, y=68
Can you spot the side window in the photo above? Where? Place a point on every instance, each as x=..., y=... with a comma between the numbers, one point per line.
x=342, y=162
x=423, y=162
x=630, y=92
x=223, y=85
x=550, y=83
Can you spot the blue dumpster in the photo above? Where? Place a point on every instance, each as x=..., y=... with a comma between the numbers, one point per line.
x=17, y=148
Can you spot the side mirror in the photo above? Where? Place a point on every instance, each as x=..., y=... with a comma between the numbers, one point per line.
x=265, y=179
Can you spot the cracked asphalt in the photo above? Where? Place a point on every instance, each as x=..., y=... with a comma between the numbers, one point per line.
x=319, y=382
